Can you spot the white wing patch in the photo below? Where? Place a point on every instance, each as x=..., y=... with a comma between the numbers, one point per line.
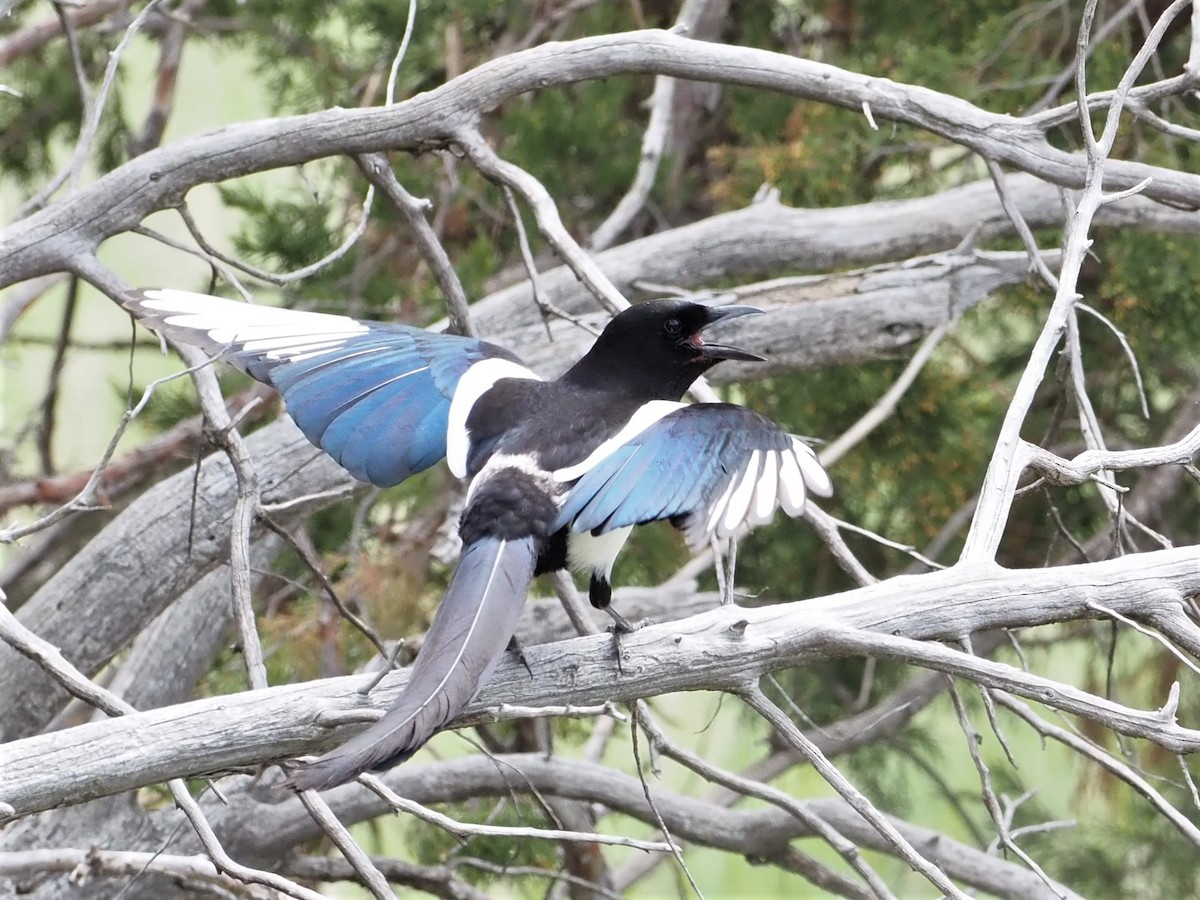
x=791, y=485
x=815, y=476
x=766, y=491
x=647, y=414
x=741, y=497
x=770, y=480
x=475, y=382
x=284, y=333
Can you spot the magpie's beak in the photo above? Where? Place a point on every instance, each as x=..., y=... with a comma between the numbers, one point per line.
x=724, y=351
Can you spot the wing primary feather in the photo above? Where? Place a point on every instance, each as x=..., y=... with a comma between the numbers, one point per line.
x=699, y=491
x=470, y=631
x=739, y=500
x=791, y=484
x=815, y=476
x=718, y=508
x=762, y=507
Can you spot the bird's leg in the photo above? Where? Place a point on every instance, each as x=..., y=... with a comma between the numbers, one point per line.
x=600, y=595
x=724, y=565
x=622, y=625
x=514, y=647
x=730, y=570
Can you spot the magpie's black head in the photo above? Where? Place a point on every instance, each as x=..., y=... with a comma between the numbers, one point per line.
x=657, y=349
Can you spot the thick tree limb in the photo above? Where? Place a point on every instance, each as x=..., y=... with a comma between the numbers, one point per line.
x=719, y=650
x=819, y=321
x=768, y=237
x=76, y=225
x=277, y=827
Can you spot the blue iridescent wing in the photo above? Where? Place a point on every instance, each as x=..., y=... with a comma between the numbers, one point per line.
x=712, y=469
x=375, y=396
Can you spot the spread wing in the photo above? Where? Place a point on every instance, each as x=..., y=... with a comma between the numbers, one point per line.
x=375, y=396
x=712, y=469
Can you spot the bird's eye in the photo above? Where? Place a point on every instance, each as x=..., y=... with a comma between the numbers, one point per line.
x=673, y=326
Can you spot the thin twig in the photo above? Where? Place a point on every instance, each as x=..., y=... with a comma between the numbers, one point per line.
x=87, y=498
x=827, y=528
x=436, y=880
x=657, y=135
x=178, y=28
x=289, y=277
x=989, y=707
x=544, y=304
x=462, y=830
x=314, y=567
x=84, y=146
x=885, y=405
x=760, y=703
x=245, y=510
x=749, y=787
x=1106, y=761
x=579, y=615
x=45, y=432
x=368, y=873
x=401, y=52
x=20, y=298
x=376, y=169
x=221, y=267
x=886, y=542
x=637, y=709
x=502, y=172
x=1022, y=227
x=989, y=795
x=1136, y=626
x=1129, y=354
x=194, y=873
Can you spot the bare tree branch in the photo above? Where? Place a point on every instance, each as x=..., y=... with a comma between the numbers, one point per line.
x=725, y=648
x=49, y=240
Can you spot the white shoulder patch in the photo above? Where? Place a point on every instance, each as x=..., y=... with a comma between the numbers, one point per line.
x=475, y=382
x=646, y=415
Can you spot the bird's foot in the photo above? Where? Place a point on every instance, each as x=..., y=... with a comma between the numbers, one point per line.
x=514, y=647
x=622, y=625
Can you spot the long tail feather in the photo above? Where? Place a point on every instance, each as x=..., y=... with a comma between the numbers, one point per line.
x=470, y=631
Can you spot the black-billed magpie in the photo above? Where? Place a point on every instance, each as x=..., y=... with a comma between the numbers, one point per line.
x=559, y=471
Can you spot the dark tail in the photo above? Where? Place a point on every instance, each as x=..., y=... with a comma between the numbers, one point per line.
x=470, y=631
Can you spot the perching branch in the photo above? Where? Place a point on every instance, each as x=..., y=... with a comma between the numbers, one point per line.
x=724, y=649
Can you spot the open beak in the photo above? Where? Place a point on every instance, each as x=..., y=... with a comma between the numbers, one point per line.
x=724, y=351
